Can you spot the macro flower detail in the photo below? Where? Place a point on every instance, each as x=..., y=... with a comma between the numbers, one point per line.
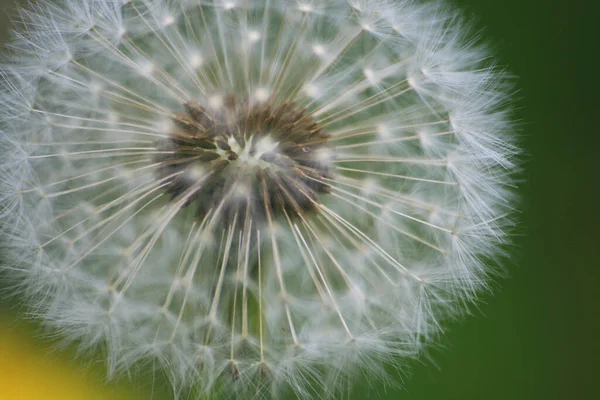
x=254, y=197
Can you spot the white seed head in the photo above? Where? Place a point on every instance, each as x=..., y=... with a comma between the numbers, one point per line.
x=258, y=197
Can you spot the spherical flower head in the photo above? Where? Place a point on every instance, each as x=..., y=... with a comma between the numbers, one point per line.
x=255, y=197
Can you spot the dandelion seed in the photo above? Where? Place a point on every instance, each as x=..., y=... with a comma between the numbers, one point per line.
x=255, y=197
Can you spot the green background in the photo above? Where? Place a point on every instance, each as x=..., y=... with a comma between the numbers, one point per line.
x=537, y=337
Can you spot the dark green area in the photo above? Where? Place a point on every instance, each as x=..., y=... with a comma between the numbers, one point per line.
x=536, y=337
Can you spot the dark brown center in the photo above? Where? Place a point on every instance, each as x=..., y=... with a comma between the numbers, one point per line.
x=245, y=157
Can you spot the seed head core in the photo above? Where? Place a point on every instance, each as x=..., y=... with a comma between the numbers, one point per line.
x=248, y=158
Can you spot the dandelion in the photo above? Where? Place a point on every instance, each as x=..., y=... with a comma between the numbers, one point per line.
x=255, y=197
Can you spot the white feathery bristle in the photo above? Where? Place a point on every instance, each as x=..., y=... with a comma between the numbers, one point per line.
x=257, y=197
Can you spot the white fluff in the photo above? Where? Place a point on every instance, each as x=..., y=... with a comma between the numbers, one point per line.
x=421, y=155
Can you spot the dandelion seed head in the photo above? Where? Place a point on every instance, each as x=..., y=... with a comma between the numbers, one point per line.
x=257, y=197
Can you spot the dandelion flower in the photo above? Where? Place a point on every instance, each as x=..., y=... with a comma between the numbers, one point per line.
x=255, y=197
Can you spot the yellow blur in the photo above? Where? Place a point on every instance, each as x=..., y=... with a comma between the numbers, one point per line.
x=29, y=371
